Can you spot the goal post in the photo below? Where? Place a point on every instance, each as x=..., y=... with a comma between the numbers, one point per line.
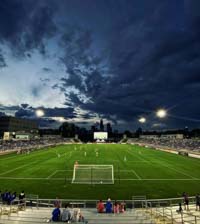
x=93, y=174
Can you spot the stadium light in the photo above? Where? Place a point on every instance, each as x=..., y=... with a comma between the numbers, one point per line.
x=39, y=113
x=161, y=113
x=142, y=120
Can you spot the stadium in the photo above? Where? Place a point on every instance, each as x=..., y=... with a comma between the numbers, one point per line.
x=140, y=171
x=99, y=111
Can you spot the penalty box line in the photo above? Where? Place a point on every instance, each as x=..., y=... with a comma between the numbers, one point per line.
x=56, y=171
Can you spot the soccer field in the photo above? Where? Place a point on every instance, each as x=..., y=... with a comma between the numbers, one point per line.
x=137, y=171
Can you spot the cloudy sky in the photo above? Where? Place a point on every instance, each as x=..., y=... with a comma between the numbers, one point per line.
x=81, y=60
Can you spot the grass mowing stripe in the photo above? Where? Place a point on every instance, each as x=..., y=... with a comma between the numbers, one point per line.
x=139, y=157
x=19, y=167
x=169, y=167
x=177, y=171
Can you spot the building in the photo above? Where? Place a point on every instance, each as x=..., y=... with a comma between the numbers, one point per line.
x=149, y=136
x=101, y=125
x=14, y=124
x=172, y=136
x=109, y=128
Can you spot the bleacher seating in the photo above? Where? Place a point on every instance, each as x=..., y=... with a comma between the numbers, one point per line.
x=176, y=144
x=170, y=215
x=42, y=215
x=149, y=211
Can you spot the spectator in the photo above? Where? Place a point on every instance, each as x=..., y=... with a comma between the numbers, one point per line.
x=57, y=203
x=13, y=196
x=22, y=197
x=116, y=207
x=122, y=207
x=77, y=216
x=8, y=199
x=197, y=202
x=100, y=207
x=56, y=215
x=180, y=210
x=108, y=206
x=5, y=197
x=186, y=201
x=66, y=214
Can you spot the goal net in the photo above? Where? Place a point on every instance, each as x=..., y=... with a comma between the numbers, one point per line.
x=93, y=174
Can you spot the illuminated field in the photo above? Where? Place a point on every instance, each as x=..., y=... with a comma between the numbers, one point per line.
x=137, y=171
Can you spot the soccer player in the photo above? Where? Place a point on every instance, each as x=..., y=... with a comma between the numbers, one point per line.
x=76, y=164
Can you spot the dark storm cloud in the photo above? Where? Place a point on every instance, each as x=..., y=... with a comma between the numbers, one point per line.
x=11, y=108
x=122, y=58
x=25, y=110
x=50, y=115
x=59, y=112
x=25, y=113
x=24, y=25
x=153, y=61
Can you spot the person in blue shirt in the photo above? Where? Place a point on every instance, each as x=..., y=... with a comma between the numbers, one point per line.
x=108, y=206
x=56, y=215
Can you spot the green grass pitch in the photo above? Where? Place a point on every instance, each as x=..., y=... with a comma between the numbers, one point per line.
x=137, y=171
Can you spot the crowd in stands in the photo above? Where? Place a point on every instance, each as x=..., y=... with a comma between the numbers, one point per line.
x=30, y=145
x=178, y=144
x=8, y=198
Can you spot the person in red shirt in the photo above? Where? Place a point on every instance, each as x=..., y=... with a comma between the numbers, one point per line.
x=100, y=206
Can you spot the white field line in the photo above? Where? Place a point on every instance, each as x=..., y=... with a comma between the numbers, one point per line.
x=52, y=174
x=128, y=179
x=133, y=171
x=9, y=157
x=57, y=171
x=163, y=179
x=135, y=161
x=19, y=167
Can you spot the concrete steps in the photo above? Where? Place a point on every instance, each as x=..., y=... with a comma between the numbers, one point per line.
x=41, y=215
